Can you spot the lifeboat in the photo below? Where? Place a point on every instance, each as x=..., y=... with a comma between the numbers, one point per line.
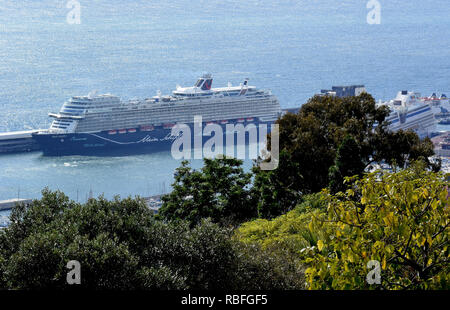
x=168, y=125
x=112, y=132
x=131, y=130
x=122, y=131
x=250, y=119
x=241, y=120
x=224, y=122
x=147, y=128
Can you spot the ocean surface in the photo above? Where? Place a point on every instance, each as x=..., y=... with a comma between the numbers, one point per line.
x=134, y=48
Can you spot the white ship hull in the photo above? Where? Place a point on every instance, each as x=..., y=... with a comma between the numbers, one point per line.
x=104, y=124
x=408, y=112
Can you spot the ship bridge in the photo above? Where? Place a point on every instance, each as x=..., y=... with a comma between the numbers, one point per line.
x=201, y=88
x=77, y=107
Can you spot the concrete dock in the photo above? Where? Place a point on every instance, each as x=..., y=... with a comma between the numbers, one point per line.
x=18, y=142
x=10, y=203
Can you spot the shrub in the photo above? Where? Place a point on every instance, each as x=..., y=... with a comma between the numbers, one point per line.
x=401, y=220
x=120, y=245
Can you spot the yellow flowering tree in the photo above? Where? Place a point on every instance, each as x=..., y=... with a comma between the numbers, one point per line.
x=391, y=225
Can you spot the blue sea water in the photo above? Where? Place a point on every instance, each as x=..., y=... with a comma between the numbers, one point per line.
x=4, y=218
x=134, y=48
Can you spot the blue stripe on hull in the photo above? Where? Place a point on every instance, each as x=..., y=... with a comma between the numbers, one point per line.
x=104, y=144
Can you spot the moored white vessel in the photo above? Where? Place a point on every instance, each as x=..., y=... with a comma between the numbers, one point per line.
x=438, y=105
x=101, y=124
x=408, y=111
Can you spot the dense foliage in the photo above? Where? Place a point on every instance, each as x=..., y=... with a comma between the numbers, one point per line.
x=401, y=220
x=120, y=245
x=219, y=191
x=328, y=139
x=289, y=232
x=275, y=191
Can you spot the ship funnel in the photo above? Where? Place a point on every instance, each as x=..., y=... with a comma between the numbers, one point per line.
x=205, y=82
x=244, y=87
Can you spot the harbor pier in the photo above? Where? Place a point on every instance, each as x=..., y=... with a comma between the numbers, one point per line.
x=10, y=203
x=18, y=142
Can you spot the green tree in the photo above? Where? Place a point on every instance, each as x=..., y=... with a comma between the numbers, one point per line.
x=121, y=245
x=289, y=232
x=274, y=190
x=344, y=134
x=403, y=147
x=312, y=202
x=401, y=220
x=313, y=136
x=348, y=162
x=220, y=190
x=104, y=236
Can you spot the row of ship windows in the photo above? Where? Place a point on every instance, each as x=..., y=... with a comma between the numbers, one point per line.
x=188, y=117
x=79, y=103
x=62, y=127
x=106, y=100
x=126, y=108
x=71, y=112
x=261, y=107
x=60, y=123
x=200, y=108
x=134, y=122
x=169, y=117
x=73, y=107
x=174, y=115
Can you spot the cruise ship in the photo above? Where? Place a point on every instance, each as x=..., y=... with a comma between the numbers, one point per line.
x=408, y=111
x=105, y=125
x=439, y=105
